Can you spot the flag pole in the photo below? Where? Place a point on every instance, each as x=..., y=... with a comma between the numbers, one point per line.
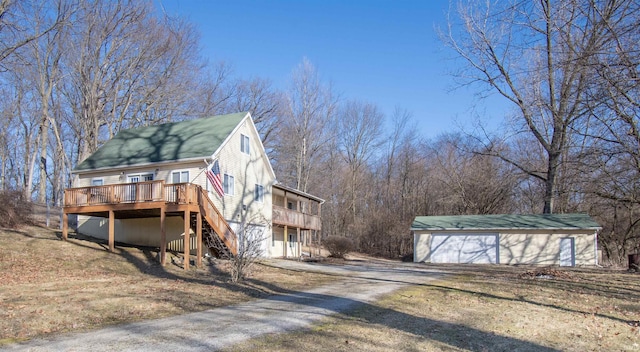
x=201, y=171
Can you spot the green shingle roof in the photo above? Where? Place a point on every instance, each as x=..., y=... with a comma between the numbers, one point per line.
x=503, y=222
x=197, y=138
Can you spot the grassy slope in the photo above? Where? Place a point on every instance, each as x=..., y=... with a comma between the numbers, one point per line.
x=47, y=285
x=486, y=309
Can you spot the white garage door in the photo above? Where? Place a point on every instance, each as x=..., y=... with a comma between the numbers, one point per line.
x=464, y=248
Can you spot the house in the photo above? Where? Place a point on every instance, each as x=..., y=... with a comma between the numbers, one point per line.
x=149, y=186
x=548, y=239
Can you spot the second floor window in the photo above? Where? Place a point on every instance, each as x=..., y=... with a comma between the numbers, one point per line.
x=228, y=185
x=244, y=144
x=259, y=193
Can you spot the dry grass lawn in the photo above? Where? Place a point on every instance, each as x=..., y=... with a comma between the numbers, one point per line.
x=486, y=308
x=49, y=286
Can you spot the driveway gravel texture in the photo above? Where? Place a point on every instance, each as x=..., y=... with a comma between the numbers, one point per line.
x=359, y=283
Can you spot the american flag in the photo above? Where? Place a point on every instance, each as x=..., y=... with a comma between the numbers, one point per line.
x=213, y=175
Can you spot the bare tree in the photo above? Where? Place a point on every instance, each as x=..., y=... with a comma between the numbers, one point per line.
x=536, y=55
x=16, y=23
x=305, y=126
x=251, y=240
x=265, y=103
x=468, y=182
x=359, y=138
x=130, y=68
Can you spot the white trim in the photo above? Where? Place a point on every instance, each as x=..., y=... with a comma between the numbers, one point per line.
x=138, y=166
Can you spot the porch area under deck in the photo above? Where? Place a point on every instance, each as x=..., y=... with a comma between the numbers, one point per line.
x=152, y=199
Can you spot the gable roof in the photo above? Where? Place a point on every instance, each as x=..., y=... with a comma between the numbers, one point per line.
x=192, y=139
x=505, y=222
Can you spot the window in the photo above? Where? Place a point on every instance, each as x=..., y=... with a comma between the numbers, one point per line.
x=180, y=177
x=259, y=193
x=228, y=185
x=244, y=144
x=140, y=178
x=97, y=182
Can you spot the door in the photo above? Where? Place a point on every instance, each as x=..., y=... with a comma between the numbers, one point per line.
x=567, y=253
x=464, y=248
x=134, y=193
x=132, y=189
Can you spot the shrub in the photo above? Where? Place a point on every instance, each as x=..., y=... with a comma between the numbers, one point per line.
x=338, y=246
x=15, y=210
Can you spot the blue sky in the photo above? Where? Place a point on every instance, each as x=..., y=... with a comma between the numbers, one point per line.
x=384, y=52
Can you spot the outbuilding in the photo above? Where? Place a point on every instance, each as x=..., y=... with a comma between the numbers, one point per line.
x=547, y=239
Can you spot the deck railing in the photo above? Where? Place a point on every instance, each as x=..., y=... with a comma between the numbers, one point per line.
x=217, y=221
x=148, y=191
x=284, y=216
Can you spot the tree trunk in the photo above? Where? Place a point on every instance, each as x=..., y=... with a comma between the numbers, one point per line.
x=551, y=183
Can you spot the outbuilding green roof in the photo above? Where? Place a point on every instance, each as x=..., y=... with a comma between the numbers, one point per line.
x=505, y=222
x=191, y=139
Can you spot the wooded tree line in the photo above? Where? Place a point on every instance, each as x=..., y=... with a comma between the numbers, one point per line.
x=74, y=73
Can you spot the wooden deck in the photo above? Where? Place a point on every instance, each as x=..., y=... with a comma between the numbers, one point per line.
x=292, y=218
x=151, y=199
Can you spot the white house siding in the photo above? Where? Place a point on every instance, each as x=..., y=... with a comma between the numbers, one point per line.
x=142, y=232
x=422, y=247
x=525, y=247
x=159, y=171
x=277, y=243
x=543, y=248
x=247, y=170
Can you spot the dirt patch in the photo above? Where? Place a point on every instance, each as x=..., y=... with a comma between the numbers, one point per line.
x=48, y=285
x=546, y=274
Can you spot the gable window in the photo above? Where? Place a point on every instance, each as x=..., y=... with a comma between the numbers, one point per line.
x=228, y=185
x=259, y=193
x=97, y=182
x=244, y=144
x=180, y=177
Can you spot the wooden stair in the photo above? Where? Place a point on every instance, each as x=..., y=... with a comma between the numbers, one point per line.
x=217, y=233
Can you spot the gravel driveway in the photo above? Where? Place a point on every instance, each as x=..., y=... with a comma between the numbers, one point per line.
x=222, y=327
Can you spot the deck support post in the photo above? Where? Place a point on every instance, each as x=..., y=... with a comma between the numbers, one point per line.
x=187, y=238
x=111, y=231
x=163, y=237
x=65, y=225
x=286, y=238
x=199, y=240
x=298, y=243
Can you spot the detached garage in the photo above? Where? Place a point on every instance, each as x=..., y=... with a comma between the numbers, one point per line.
x=548, y=239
